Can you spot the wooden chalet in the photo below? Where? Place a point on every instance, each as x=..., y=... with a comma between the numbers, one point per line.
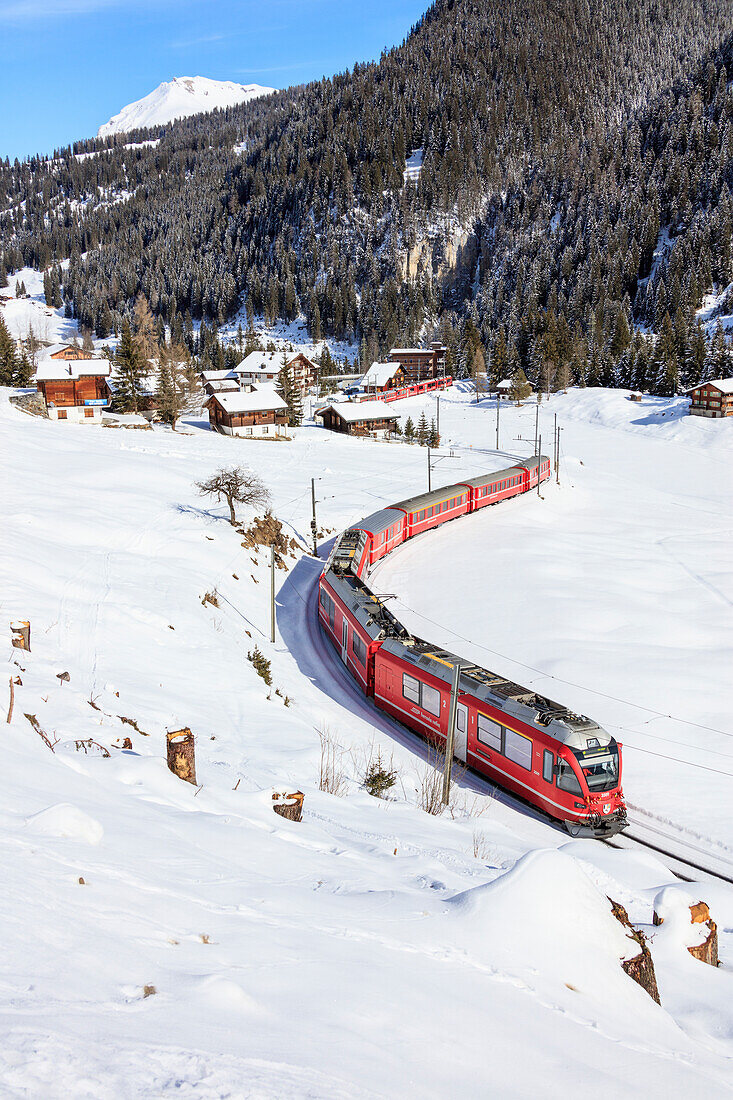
x=265, y=366
x=256, y=411
x=713, y=399
x=420, y=364
x=365, y=418
x=67, y=352
x=74, y=387
x=382, y=377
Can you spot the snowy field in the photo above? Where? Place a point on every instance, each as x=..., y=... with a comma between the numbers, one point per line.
x=372, y=950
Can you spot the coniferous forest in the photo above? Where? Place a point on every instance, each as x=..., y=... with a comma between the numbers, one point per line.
x=573, y=207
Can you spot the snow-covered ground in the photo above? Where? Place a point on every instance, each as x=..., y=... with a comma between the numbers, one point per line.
x=372, y=950
x=25, y=314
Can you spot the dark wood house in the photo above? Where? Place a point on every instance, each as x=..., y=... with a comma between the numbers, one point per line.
x=366, y=418
x=255, y=411
x=713, y=398
x=382, y=377
x=75, y=388
x=420, y=364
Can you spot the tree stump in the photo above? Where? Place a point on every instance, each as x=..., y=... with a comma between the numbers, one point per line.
x=707, y=951
x=21, y=635
x=289, y=805
x=641, y=966
x=182, y=754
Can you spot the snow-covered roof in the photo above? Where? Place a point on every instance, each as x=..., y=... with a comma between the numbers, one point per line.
x=379, y=374
x=351, y=411
x=71, y=370
x=54, y=349
x=505, y=384
x=258, y=399
x=414, y=351
x=725, y=385
x=216, y=375
x=266, y=361
x=224, y=385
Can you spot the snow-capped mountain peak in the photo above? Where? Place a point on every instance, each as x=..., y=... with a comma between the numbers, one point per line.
x=179, y=98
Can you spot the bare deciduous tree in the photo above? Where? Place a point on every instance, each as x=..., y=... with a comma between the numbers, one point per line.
x=236, y=486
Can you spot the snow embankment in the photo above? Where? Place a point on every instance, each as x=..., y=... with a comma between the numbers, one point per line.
x=370, y=950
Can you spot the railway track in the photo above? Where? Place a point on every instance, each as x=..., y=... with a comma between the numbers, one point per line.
x=679, y=864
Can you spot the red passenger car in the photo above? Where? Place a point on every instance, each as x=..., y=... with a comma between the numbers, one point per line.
x=562, y=762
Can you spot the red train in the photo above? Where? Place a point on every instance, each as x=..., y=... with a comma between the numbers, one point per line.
x=414, y=390
x=561, y=762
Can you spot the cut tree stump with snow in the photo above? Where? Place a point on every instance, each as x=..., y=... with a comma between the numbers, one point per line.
x=182, y=754
x=641, y=966
x=21, y=635
x=707, y=950
x=289, y=805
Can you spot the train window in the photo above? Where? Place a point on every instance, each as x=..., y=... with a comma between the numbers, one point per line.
x=518, y=749
x=358, y=648
x=547, y=764
x=328, y=606
x=489, y=732
x=431, y=699
x=422, y=515
x=411, y=688
x=567, y=780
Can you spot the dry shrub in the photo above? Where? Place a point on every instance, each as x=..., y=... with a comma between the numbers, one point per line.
x=268, y=531
x=331, y=774
x=430, y=785
x=482, y=849
x=211, y=597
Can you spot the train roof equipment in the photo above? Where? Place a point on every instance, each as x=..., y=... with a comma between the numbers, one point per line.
x=573, y=730
x=369, y=610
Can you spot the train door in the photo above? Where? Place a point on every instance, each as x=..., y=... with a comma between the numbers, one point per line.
x=344, y=638
x=460, y=744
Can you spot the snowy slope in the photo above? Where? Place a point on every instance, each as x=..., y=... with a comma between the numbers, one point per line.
x=179, y=98
x=372, y=950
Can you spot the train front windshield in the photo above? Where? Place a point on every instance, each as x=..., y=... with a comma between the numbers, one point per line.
x=599, y=767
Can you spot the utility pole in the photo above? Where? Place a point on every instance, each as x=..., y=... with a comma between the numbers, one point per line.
x=313, y=521
x=437, y=415
x=497, y=420
x=557, y=467
x=429, y=485
x=539, y=465
x=536, y=427
x=272, y=592
x=451, y=735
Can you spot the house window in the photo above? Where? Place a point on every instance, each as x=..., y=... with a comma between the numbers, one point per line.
x=61, y=414
x=88, y=412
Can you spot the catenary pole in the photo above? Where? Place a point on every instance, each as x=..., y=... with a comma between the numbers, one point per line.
x=272, y=592
x=497, y=420
x=313, y=521
x=536, y=427
x=451, y=736
x=429, y=485
x=539, y=465
x=437, y=415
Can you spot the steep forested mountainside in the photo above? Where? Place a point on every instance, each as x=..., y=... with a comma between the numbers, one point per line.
x=576, y=161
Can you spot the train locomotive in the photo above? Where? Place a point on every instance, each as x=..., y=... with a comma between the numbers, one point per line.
x=561, y=762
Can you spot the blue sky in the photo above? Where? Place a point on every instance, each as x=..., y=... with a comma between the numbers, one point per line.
x=69, y=65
